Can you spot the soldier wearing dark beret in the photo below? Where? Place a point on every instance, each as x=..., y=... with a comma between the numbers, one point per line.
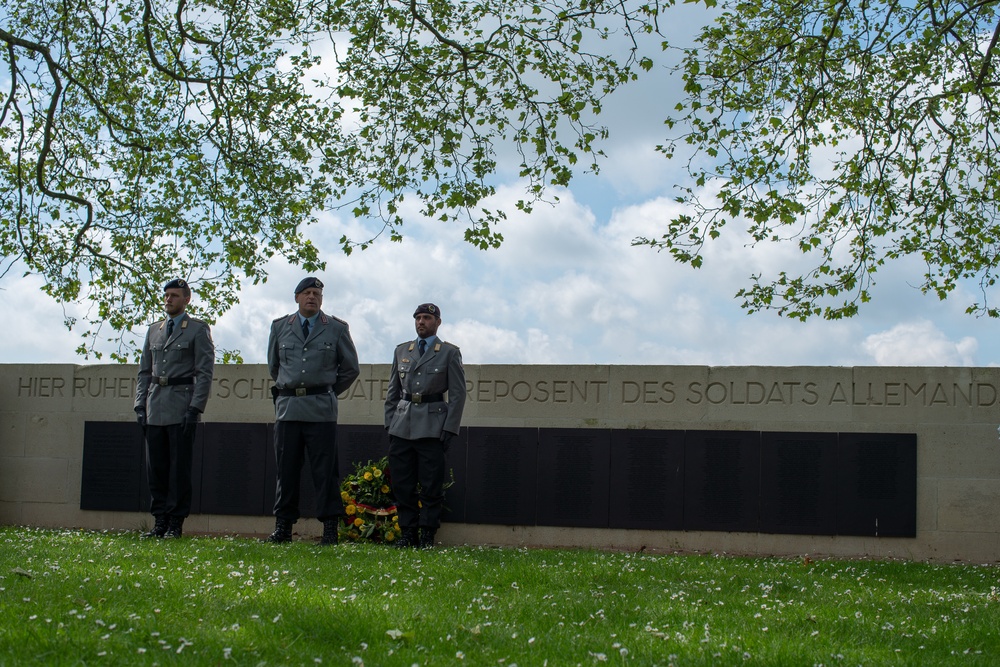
x=423, y=412
x=175, y=379
x=311, y=358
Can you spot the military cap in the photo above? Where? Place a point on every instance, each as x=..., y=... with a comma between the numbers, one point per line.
x=306, y=283
x=428, y=308
x=176, y=283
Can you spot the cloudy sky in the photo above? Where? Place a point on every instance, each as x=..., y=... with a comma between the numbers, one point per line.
x=567, y=287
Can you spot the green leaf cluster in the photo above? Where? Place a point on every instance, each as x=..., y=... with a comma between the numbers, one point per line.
x=199, y=138
x=863, y=132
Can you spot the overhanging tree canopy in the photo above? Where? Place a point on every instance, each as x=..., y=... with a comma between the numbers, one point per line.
x=865, y=132
x=150, y=140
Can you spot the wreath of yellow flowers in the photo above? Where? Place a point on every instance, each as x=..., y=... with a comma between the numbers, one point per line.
x=368, y=504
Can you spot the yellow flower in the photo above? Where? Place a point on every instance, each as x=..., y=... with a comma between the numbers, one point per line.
x=359, y=522
x=395, y=518
x=351, y=509
x=390, y=536
x=368, y=477
x=377, y=472
x=345, y=496
x=385, y=488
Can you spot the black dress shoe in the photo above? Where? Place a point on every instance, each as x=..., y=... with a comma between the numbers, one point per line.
x=175, y=527
x=282, y=532
x=159, y=529
x=426, y=540
x=408, y=540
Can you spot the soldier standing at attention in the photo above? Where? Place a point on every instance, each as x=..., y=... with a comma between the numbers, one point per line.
x=175, y=379
x=421, y=421
x=311, y=358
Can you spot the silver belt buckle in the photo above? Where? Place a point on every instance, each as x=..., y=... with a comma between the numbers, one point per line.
x=416, y=398
x=300, y=391
x=163, y=381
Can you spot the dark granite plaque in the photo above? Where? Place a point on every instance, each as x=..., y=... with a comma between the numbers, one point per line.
x=647, y=479
x=573, y=483
x=502, y=476
x=877, y=481
x=233, y=468
x=456, y=473
x=798, y=483
x=197, y=465
x=145, y=501
x=112, y=466
x=270, y=470
x=359, y=444
x=721, y=480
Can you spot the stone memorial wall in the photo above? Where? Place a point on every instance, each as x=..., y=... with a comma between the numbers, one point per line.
x=866, y=462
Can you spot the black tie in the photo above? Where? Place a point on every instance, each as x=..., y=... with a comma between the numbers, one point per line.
x=305, y=328
x=421, y=348
x=170, y=328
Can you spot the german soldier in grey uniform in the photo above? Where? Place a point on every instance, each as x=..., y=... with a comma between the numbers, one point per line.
x=311, y=358
x=423, y=412
x=175, y=379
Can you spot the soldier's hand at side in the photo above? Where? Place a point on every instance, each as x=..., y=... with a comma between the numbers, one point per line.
x=190, y=422
x=140, y=419
x=446, y=438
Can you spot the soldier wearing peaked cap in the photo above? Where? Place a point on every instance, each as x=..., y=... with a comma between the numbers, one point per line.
x=311, y=358
x=175, y=379
x=423, y=412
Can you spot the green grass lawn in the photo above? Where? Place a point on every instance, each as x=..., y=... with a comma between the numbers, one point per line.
x=75, y=598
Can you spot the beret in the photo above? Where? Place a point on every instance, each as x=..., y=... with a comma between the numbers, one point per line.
x=178, y=283
x=306, y=283
x=428, y=308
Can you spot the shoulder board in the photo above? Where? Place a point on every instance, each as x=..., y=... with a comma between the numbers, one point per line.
x=444, y=342
x=334, y=317
x=161, y=324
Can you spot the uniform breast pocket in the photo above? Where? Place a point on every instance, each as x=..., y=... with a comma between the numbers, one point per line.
x=329, y=353
x=179, y=350
x=436, y=378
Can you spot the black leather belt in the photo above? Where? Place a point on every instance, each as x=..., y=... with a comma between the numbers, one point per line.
x=168, y=382
x=306, y=391
x=423, y=398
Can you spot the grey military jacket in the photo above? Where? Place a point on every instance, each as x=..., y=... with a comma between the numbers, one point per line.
x=327, y=359
x=438, y=371
x=188, y=353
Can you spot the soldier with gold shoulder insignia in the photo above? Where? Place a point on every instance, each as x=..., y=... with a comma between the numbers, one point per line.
x=423, y=412
x=175, y=380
